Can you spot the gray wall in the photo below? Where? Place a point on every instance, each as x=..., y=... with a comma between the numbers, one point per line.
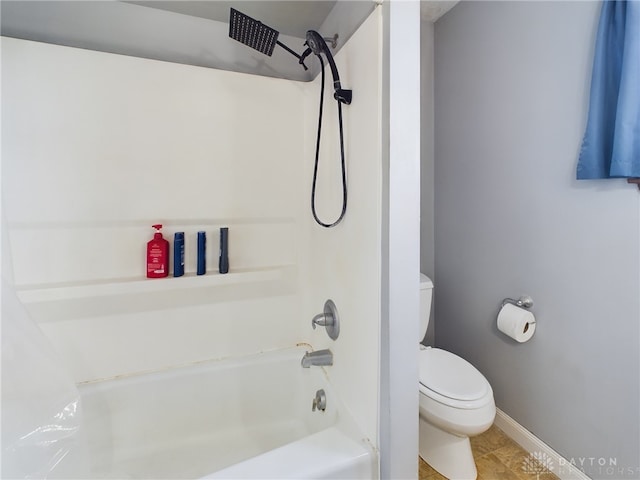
x=511, y=92
x=427, y=236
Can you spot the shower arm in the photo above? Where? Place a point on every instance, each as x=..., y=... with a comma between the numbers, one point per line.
x=299, y=57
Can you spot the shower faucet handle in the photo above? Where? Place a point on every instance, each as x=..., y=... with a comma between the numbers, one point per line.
x=323, y=319
x=328, y=319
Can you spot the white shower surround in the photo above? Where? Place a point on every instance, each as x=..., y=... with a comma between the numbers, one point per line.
x=244, y=417
x=97, y=147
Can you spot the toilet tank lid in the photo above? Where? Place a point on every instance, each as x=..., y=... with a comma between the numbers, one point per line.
x=425, y=282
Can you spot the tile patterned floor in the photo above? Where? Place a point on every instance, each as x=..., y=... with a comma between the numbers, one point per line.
x=497, y=458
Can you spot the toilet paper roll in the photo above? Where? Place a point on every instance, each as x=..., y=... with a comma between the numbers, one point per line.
x=516, y=322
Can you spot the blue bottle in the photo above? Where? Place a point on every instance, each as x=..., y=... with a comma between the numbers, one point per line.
x=202, y=256
x=223, y=261
x=178, y=254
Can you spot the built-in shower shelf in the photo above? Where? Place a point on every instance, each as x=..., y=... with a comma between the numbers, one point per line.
x=130, y=286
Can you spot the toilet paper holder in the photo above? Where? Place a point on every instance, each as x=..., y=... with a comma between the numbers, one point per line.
x=525, y=301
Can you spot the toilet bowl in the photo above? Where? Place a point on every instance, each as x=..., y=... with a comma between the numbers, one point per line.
x=456, y=402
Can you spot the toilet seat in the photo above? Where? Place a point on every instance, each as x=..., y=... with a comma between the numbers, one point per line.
x=451, y=380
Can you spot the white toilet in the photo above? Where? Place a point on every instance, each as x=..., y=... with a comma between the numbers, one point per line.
x=456, y=402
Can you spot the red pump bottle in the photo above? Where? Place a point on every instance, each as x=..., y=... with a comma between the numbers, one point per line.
x=157, y=255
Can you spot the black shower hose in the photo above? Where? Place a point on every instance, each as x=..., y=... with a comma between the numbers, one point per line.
x=315, y=166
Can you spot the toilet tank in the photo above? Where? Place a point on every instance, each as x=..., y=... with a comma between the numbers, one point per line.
x=426, y=291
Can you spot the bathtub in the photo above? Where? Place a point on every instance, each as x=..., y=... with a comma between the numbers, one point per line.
x=248, y=417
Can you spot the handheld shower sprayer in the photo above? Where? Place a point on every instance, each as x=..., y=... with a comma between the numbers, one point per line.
x=317, y=45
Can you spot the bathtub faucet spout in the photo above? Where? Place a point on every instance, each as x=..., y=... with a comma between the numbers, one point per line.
x=319, y=358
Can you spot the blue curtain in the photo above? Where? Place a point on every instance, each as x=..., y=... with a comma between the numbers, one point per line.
x=611, y=144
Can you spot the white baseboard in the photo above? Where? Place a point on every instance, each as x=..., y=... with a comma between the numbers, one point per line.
x=558, y=465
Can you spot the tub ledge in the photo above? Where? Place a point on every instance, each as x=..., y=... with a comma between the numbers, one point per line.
x=329, y=454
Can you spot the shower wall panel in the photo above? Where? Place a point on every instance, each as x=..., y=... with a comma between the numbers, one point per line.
x=343, y=262
x=98, y=147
